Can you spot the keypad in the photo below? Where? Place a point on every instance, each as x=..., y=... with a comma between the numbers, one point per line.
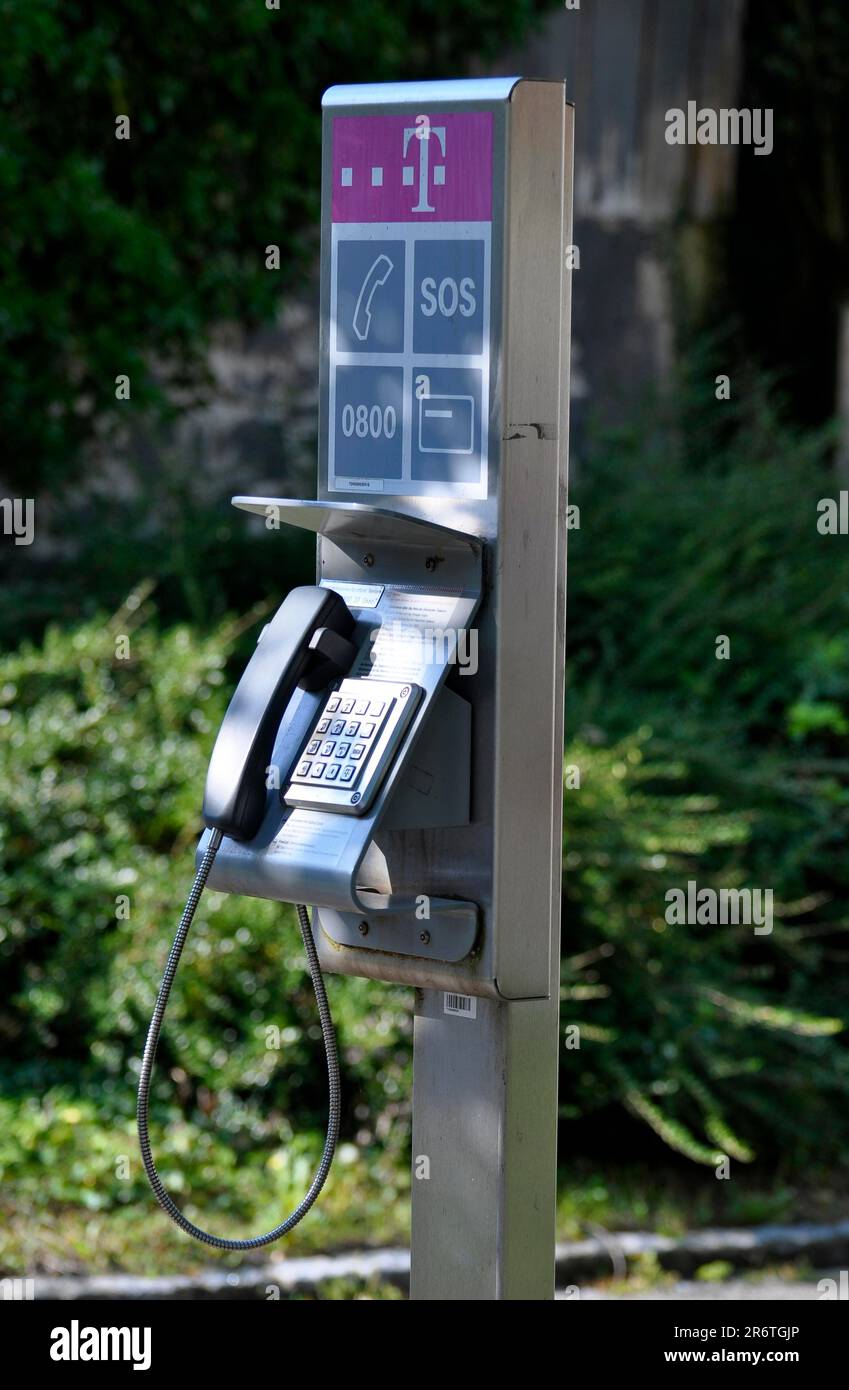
x=345, y=758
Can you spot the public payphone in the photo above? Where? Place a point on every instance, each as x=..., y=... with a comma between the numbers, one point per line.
x=392, y=754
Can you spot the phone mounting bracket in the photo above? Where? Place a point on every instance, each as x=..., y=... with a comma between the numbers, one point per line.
x=408, y=628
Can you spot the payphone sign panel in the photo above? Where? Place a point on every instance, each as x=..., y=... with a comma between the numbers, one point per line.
x=410, y=289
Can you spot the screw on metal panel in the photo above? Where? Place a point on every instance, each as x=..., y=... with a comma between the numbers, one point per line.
x=424, y=938
x=368, y=560
x=431, y=562
x=363, y=928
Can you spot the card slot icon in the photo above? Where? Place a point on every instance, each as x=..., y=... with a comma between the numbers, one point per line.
x=446, y=424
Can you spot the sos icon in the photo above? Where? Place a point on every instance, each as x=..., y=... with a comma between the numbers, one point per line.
x=447, y=297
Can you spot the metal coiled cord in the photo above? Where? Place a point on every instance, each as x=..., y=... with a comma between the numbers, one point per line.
x=162, y=1197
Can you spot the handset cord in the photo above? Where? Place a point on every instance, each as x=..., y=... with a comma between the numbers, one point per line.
x=162, y=1197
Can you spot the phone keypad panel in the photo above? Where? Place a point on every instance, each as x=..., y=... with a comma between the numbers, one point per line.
x=352, y=744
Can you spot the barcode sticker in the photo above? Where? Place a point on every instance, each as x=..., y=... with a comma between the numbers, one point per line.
x=462, y=1005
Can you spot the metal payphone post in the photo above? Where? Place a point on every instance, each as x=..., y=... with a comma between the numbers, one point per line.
x=440, y=521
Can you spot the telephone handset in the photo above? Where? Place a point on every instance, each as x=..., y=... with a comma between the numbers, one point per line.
x=307, y=643
x=378, y=273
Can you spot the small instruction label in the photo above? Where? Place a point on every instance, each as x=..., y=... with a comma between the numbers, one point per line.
x=414, y=633
x=310, y=836
x=359, y=485
x=461, y=1005
x=355, y=595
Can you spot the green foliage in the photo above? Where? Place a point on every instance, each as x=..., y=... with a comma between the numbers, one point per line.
x=101, y=759
x=715, y=1272
x=732, y=773
x=117, y=255
x=671, y=1197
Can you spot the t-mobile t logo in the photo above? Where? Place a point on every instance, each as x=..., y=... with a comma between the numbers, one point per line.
x=422, y=131
x=412, y=168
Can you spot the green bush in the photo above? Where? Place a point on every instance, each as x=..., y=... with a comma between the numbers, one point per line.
x=732, y=773
x=101, y=761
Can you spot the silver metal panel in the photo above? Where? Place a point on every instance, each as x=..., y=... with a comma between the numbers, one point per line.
x=484, y=1132
x=435, y=790
x=383, y=94
x=447, y=935
x=357, y=521
x=528, y=691
x=315, y=856
x=457, y=861
x=485, y=1088
x=504, y=859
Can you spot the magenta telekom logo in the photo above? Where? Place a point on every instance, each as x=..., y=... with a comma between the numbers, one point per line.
x=423, y=130
x=416, y=168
